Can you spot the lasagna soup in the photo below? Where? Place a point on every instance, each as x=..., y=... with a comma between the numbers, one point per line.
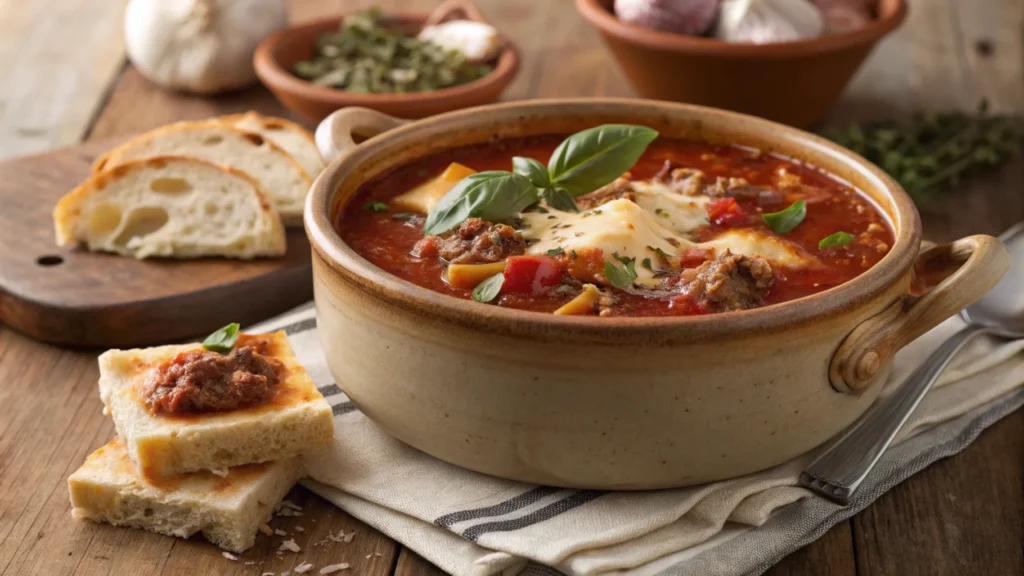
x=682, y=228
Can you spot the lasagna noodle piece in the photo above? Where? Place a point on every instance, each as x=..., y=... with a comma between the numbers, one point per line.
x=227, y=509
x=295, y=421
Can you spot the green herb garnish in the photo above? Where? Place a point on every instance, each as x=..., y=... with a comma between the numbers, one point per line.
x=371, y=53
x=664, y=255
x=489, y=289
x=223, y=340
x=405, y=216
x=582, y=163
x=375, y=207
x=621, y=277
x=646, y=263
x=932, y=151
x=785, y=220
x=555, y=252
x=833, y=240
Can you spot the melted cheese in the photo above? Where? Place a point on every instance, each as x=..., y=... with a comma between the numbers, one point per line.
x=754, y=243
x=658, y=218
x=617, y=227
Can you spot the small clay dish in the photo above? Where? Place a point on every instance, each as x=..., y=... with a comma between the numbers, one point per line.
x=276, y=55
x=789, y=82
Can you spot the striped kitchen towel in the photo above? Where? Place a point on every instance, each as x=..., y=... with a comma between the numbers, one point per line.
x=468, y=523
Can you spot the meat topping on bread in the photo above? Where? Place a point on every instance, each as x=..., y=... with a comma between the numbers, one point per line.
x=203, y=381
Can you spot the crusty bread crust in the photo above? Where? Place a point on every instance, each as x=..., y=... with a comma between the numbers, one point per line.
x=288, y=201
x=303, y=149
x=267, y=235
x=297, y=421
x=228, y=508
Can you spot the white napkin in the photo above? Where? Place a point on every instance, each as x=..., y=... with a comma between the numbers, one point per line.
x=469, y=523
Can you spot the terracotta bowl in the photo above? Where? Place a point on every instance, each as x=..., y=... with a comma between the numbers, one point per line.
x=790, y=82
x=276, y=55
x=615, y=403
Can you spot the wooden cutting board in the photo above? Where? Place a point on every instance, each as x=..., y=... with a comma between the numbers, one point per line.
x=73, y=297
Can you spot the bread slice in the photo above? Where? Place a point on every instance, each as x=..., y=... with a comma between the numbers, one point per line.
x=296, y=420
x=228, y=508
x=217, y=142
x=172, y=207
x=291, y=137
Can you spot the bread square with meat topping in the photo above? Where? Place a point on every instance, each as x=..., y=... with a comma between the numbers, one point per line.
x=184, y=408
x=228, y=507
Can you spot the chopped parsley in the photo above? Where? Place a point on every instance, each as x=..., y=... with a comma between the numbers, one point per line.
x=375, y=207
x=555, y=252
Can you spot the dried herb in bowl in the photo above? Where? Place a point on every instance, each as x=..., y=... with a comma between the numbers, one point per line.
x=368, y=54
x=932, y=151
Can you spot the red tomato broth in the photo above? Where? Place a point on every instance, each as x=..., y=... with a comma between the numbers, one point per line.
x=832, y=206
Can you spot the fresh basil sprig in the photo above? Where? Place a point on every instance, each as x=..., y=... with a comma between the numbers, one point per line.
x=582, y=163
x=494, y=196
x=621, y=278
x=223, y=340
x=834, y=240
x=489, y=289
x=786, y=219
x=592, y=158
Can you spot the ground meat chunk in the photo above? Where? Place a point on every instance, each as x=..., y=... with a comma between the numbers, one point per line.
x=205, y=381
x=474, y=242
x=729, y=282
x=619, y=188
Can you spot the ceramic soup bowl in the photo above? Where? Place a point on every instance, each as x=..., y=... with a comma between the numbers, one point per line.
x=616, y=403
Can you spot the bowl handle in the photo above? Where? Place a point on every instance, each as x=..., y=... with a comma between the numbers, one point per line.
x=454, y=10
x=335, y=134
x=981, y=260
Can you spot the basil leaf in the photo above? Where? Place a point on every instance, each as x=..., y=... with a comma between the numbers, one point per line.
x=785, y=220
x=493, y=196
x=621, y=277
x=488, y=289
x=838, y=239
x=555, y=252
x=560, y=199
x=375, y=207
x=592, y=158
x=532, y=169
x=222, y=340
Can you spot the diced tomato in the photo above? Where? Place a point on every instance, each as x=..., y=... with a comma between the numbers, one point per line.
x=531, y=274
x=695, y=256
x=689, y=306
x=726, y=212
x=585, y=264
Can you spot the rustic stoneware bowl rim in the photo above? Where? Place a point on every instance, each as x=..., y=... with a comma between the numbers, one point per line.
x=345, y=263
x=273, y=74
x=604, y=20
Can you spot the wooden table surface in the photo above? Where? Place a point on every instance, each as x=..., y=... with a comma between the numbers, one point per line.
x=65, y=81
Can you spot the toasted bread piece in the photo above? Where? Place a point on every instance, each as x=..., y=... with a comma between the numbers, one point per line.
x=217, y=142
x=291, y=137
x=296, y=420
x=171, y=207
x=228, y=508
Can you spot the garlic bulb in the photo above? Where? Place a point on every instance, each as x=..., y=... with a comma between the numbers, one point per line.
x=766, y=21
x=844, y=15
x=677, y=16
x=201, y=46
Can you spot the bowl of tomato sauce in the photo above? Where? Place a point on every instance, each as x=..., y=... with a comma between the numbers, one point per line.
x=616, y=294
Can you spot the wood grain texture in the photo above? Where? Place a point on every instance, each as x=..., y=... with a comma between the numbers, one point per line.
x=75, y=297
x=960, y=516
x=57, y=61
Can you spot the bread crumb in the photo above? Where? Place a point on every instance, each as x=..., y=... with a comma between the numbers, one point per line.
x=229, y=556
x=290, y=546
x=250, y=562
x=377, y=554
x=223, y=472
x=300, y=529
x=267, y=574
x=266, y=529
x=368, y=555
x=334, y=568
x=303, y=568
x=290, y=504
x=279, y=532
x=348, y=537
